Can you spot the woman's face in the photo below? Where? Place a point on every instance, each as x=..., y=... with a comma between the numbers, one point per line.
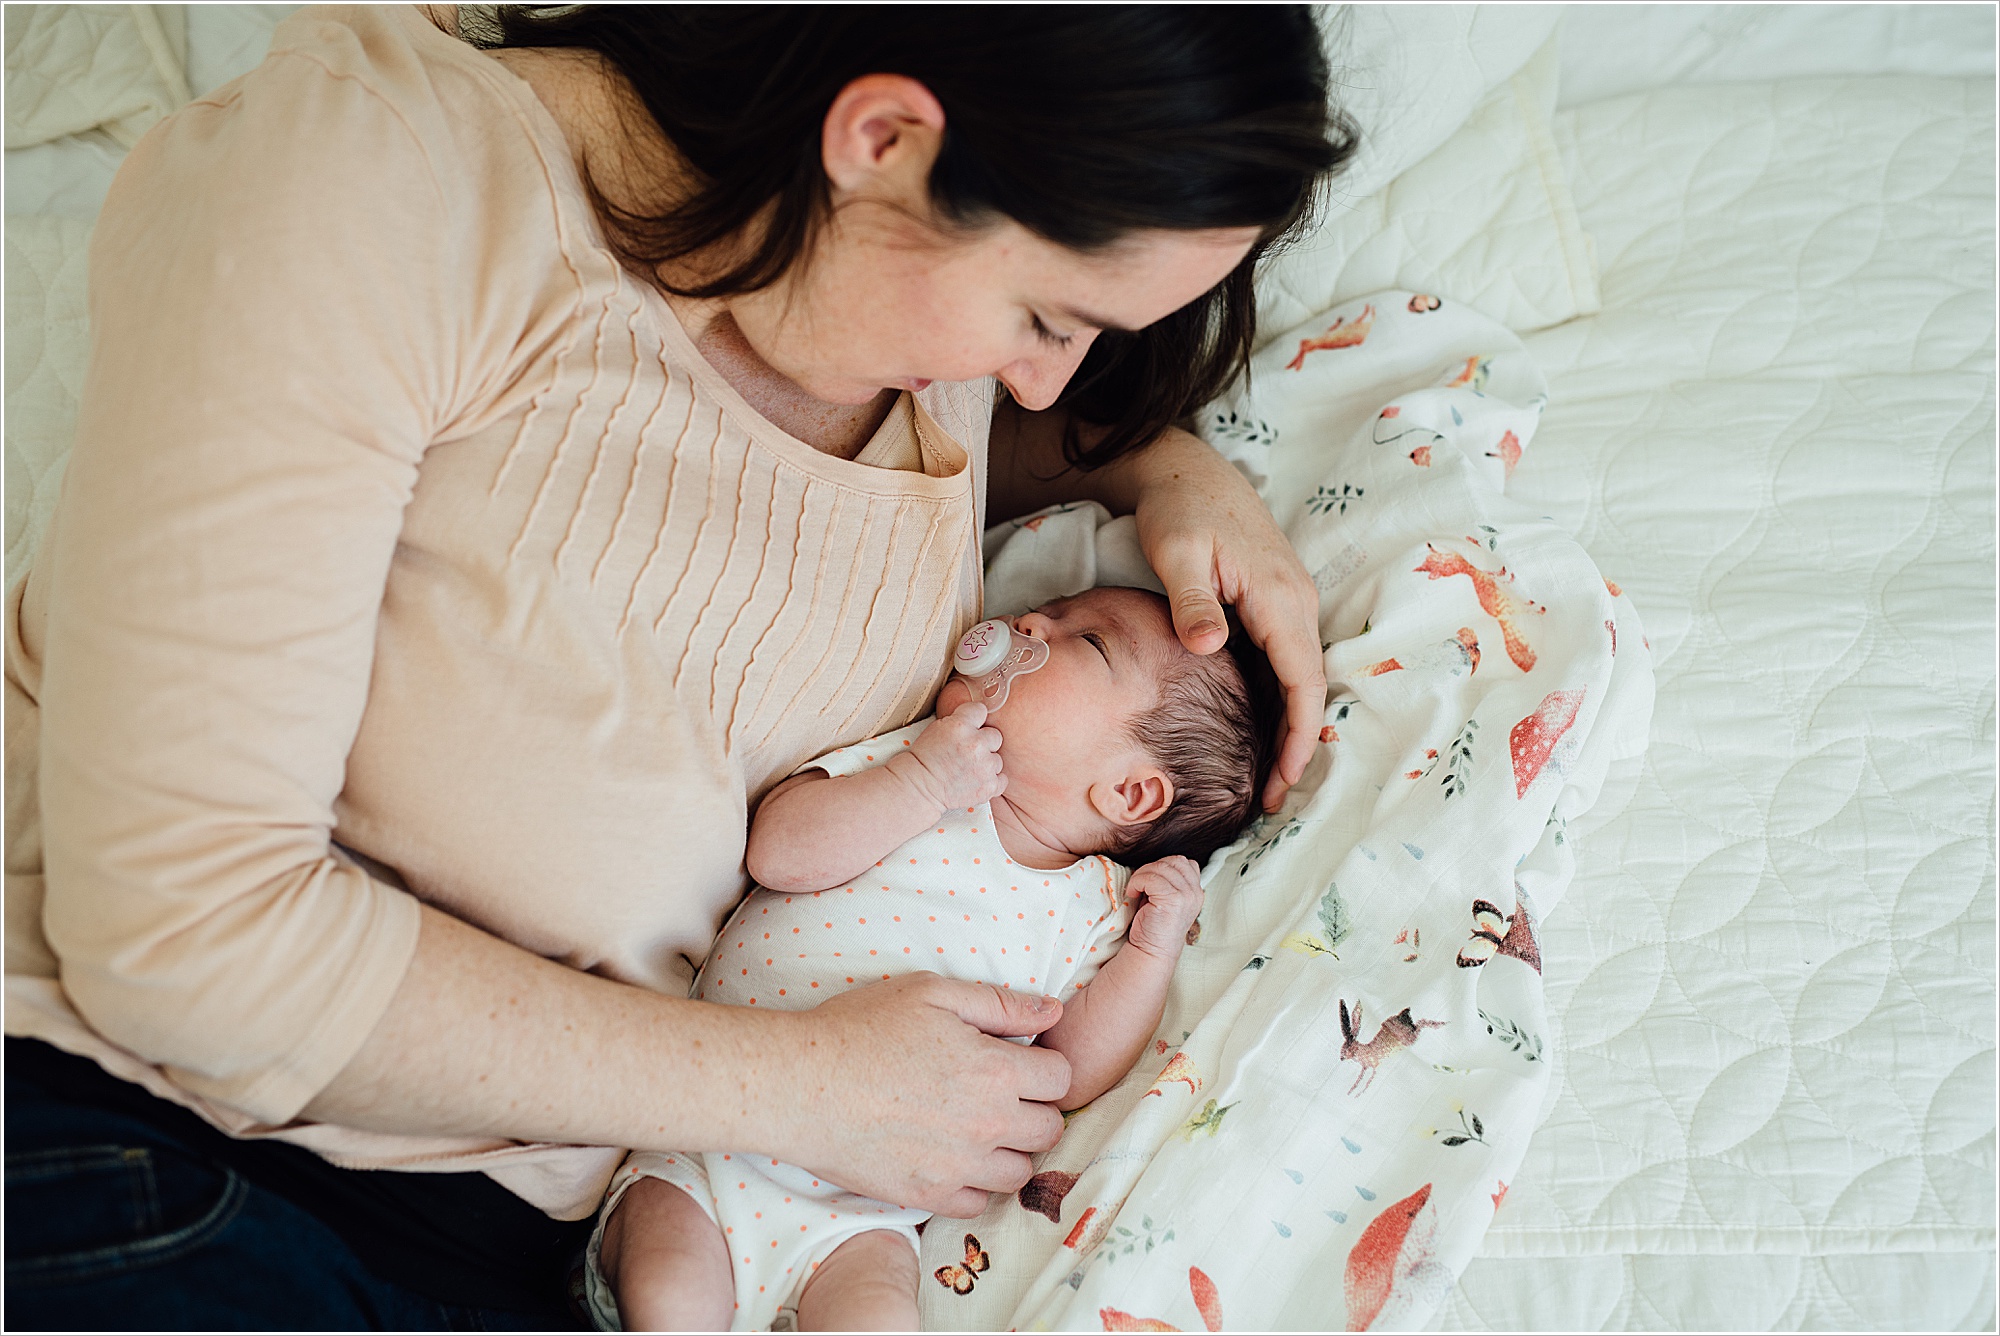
x=892, y=303
x=890, y=299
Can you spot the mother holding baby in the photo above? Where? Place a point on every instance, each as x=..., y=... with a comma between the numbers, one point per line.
x=505, y=456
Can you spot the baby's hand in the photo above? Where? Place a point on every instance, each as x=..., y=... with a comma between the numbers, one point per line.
x=956, y=761
x=1168, y=895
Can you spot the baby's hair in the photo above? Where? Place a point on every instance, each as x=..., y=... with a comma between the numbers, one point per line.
x=1215, y=732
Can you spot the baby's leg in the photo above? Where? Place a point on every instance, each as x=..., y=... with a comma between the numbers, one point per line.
x=868, y=1283
x=667, y=1262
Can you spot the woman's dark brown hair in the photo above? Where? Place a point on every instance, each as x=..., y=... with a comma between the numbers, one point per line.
x=1081, y=123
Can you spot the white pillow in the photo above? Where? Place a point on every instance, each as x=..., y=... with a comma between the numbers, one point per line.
x=1485, y=218
x=1410, y=75
x=74, y=68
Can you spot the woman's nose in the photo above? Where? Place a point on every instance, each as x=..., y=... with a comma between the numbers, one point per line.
x=1037, y=381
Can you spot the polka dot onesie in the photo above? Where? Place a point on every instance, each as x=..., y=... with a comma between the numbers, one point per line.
x=950, y=901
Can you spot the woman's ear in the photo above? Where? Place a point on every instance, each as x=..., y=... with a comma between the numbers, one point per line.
x=1139, y=799
x=882, y=128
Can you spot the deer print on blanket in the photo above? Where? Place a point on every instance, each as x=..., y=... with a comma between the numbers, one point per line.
x=1399, y=1031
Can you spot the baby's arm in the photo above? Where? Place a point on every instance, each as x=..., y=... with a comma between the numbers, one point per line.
x=815, y=831
x=1106, y=1025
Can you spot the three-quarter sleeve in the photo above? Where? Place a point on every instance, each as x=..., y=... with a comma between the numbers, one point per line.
x=276, y=310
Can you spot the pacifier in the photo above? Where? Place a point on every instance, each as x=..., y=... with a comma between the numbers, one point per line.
x=991, y=655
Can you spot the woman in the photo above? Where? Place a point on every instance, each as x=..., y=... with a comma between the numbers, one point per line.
x=499, y=467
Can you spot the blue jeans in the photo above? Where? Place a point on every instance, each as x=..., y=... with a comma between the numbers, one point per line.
x=116, y=1224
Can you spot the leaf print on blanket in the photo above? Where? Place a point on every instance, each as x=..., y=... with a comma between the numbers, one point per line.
x=1398, y=1032
x=1208, y=1122
x=1518, y=1040
x=1339, y=334
x=1334, y=921
x=1535, y=737
x=1458, y=760
x=1327, y=500
x=1503, y=606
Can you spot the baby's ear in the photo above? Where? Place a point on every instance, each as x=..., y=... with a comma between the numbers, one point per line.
x=1139, y=799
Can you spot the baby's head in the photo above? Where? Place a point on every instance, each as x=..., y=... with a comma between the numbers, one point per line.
x=1125, y=743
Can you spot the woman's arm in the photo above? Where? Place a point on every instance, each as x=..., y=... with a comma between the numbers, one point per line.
x=1105, y=1026
x=1210, y=539
x=896, y=1090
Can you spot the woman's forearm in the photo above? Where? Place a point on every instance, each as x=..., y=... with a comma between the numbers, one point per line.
x=895, y=1090
x=484, y=1038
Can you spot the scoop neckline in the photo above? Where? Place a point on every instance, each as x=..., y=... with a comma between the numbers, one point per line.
x=570, y=198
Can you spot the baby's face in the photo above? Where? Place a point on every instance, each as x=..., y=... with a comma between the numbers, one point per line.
x=1108, y=650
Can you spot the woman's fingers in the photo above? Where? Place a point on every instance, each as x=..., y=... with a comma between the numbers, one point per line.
x=1294, y=652
x=918, y=1103
x=1185, y=564
x=999, y=1011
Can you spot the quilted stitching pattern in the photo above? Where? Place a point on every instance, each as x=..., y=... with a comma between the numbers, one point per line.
x=72, y=68
x=48, y=347
x=1774, y=977
x=1882, y=1292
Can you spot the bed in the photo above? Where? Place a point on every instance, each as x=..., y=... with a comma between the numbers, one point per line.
x=1746, y=254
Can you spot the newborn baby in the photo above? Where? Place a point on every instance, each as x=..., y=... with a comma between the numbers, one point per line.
x=978, y=845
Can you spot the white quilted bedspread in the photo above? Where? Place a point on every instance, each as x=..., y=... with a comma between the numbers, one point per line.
x=1774, y=974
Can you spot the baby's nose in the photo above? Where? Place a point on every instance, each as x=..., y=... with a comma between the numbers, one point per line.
x=1032, y=624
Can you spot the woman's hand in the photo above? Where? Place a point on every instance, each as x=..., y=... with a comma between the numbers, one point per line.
x=1211, y=540
x=906, y=1096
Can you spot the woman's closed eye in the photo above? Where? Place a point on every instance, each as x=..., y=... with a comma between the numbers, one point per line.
x=1049, y=336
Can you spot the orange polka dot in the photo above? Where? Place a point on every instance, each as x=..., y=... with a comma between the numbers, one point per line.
x=830, y=925
x=871, y=953
x=906, y=950
x=940, y=950
x=781, y=992
x=897, y=917
x=850, y=978
x=815, y=983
